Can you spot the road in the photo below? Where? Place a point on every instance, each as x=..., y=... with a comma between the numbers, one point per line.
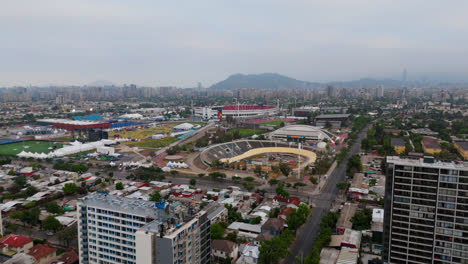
x=323, y=202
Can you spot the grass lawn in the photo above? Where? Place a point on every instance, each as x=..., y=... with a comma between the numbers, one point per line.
x=152, y=143
x=29, y=146
x=273, y=123
x=143, y=133
x=246, y=132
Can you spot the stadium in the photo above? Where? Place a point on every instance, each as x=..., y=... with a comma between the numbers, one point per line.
x=235, y=110
x=302, y=133
x=258, y=152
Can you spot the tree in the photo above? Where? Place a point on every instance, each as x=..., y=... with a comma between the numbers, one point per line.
x=155, y=196
x=297, y=217
x=68, y=234
x=298, y=184
x=273, y=250
x=285, y=169
x=275, y=169
x=281, y=191
x=257, y=220
x=273, y=182
x=258, y=170
x=20, y=181
x=274, y=212
x=201, y=175
x=232, y=236
x=31, y=190
x=217, y=175
x=342, y=185
x=51, y=224
x=354, y=164
x=313, y=180
x=193, y=181
x=111, y=174
x=69, y=188
x=53, y=208
x=119, y=186
x=217, y=231
x=362, y=219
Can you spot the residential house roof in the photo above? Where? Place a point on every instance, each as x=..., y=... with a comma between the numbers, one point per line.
x=223, y=245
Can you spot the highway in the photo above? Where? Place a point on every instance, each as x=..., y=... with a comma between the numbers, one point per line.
x=323, y=202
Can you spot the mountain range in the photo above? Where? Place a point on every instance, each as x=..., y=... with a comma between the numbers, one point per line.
x=274, y=81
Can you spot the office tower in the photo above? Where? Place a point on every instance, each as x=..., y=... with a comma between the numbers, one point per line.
x=114, y=229
x=426, y=211
x=331, y=91
x=380, y=91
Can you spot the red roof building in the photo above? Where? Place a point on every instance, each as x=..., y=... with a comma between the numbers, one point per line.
x=69, y=257
x=11, y=244
x=42, y=254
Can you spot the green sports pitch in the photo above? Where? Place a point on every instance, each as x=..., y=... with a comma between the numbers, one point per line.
x=28, y=146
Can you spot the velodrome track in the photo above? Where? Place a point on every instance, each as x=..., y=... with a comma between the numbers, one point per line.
x=311, y=156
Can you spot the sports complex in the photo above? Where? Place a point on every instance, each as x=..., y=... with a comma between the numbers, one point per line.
x=251, y=153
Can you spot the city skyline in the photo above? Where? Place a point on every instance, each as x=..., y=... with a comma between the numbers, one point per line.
x=157, y=44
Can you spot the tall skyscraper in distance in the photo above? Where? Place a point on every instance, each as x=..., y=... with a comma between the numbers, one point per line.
x=380, y=91
x=331, y=91
x=114, y=229
x=426, y=211
x=404, y=76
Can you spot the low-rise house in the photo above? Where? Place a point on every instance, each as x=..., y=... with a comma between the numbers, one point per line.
x=12, y=244
x=42, y=254
x=20, y=258
x=348, y=255
x=462, y=147
x=430, y=145
x=398, y=145
x=344, y=221
x=224, y=249
x=69, y=257
x=273, y=226
x=249, y=254
x=351, y=239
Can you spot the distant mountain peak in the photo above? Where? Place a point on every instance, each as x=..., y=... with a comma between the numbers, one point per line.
x=100, y=83
x=264, y=81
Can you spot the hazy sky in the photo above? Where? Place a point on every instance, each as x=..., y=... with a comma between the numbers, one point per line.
x=177, y=42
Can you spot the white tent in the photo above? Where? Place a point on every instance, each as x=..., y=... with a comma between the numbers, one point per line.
x=184, y=126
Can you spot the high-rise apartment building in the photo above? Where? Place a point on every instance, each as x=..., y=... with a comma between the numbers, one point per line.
x=426, y=211
x=380, y=91
x=113, y=229
x=331, y=91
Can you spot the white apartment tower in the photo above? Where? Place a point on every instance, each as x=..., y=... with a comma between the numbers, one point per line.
x=114, y=229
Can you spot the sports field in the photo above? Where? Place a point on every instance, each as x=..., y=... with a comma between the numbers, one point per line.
x=273, y=123
x=28, y=146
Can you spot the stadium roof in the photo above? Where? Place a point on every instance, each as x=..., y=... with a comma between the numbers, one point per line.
x=302, y=130
x=332, y=116
x=248, y=107
x=70, y=122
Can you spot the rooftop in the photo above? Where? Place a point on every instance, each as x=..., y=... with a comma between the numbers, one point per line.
x=13, y=240
x=462, y=144
x=397, y=142
x=430, y=143
x=223, y=245
x=126, y=205
x=248, y=107
x=348, y=256
x=419, y=162
x=346, y=213
x=333, y=116
x=39, y=251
